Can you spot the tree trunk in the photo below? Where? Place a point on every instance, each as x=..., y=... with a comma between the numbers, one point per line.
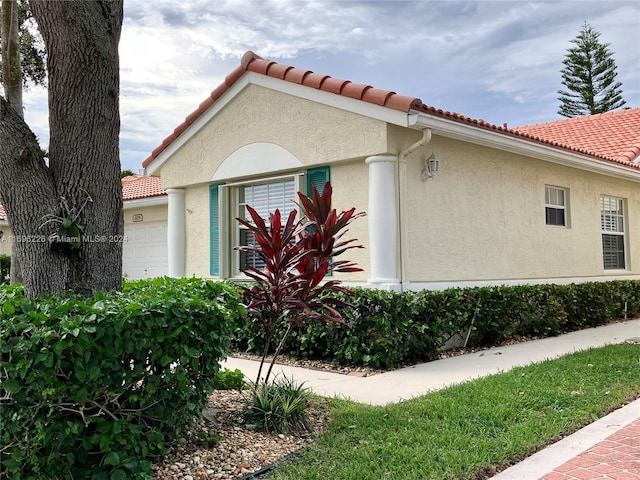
x=12, y=85
x=82, y=181
x=11, y=71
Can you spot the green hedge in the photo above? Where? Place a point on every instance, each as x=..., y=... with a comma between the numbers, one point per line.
x=386, y=329
x=5, y=269
x=94, y=388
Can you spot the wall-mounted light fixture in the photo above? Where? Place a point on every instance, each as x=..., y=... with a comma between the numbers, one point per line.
x=431, y=165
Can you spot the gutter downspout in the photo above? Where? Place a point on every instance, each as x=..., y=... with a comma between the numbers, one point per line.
x=403, y=226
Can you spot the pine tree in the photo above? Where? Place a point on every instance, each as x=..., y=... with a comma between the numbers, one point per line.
x=589, y=75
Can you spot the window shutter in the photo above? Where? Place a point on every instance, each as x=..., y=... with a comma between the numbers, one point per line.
x=318, y=177
x=214, y=226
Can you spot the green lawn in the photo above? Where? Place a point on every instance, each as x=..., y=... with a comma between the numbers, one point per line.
x=473, y=428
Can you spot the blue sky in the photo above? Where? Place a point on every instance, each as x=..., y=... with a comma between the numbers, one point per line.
x=495, y=60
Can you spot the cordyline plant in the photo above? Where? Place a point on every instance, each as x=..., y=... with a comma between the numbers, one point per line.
x=289, y=290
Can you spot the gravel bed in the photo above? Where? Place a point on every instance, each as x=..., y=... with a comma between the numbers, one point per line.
x=240, y=451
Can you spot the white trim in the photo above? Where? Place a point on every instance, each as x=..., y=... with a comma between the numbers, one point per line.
x=521, y=146
x=145, y=202
x=257, y=158
x=438, y=286
x=251, y=181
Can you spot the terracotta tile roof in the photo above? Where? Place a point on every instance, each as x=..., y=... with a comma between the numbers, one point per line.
x=251, y=62
x=614, y=135
x=135, y=187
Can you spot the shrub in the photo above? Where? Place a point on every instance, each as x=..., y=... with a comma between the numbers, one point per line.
x=290, y=290
x=229, y=380
x=385, y=329
x=5, y=269
x=96, y=387
x=279, y=406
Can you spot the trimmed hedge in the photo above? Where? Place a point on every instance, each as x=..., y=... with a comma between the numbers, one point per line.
x=386, y=329
x=95, y=388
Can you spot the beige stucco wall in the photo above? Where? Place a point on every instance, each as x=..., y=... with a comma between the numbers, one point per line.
x=197, y=226
x=483, y=218
x=313, y=133
x=153, y=213
x=5, y=241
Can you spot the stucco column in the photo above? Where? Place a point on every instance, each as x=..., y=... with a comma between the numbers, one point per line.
x=383, y=221
x=176, y=232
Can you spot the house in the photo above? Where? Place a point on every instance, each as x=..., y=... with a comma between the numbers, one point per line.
x=450, y=200
x=144, y=251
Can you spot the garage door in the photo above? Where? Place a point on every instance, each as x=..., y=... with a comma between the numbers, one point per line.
x=144, y=254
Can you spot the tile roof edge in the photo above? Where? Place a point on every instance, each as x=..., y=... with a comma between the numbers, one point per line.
x=251, y=62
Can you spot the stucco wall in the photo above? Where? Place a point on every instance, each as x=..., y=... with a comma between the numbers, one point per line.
x=483, y=218
x=153, y=213
x=197, y=227
x=313, y=133
x=5, y=241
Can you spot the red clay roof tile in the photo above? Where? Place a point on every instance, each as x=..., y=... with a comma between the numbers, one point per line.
x=570, y=142
x=615, y=135
x=135, y=187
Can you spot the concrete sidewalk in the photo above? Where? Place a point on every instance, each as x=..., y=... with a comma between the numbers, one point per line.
x=409, y=382
x=607, y=449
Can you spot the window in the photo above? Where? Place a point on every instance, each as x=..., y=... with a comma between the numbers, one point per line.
x=265, y=198
x=555, y=206
x=612, y=225
x=226, y=202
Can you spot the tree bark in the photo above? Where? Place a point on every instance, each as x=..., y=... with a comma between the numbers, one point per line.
x=11, y=71
x=82, y=180
x=12, y=85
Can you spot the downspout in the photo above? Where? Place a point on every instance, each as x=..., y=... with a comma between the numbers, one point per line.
x=403, y=226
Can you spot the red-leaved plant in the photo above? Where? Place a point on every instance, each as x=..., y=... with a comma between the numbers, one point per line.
x=297, y=256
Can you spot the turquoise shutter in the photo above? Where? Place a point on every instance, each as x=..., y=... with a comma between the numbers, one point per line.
x=318, y=177
x=214, y=228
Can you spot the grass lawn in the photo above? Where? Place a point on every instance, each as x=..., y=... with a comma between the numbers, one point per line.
x=472, y=429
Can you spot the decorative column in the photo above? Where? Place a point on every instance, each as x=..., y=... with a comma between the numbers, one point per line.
x=383, y=222
x=176, y=232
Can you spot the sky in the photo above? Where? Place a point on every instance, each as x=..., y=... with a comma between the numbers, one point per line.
x=499, y=61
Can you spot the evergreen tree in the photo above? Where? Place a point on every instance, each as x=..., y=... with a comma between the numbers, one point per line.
x=589, y=75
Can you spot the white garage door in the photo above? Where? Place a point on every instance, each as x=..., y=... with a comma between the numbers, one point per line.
x=144, y=254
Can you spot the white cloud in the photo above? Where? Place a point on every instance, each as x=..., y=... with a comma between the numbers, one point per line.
x=498, y=60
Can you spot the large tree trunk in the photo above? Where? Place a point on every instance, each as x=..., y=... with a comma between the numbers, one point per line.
x=11, y=71
x=12, y=85
x=84, y=166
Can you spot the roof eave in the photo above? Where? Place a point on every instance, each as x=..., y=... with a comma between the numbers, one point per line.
x=380, y=112
x=145, y=202
x=523, y=146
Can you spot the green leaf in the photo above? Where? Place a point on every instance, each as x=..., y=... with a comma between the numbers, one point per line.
x=12, y=385
x=118, y=475
x=8, y=308
x=112, y=458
